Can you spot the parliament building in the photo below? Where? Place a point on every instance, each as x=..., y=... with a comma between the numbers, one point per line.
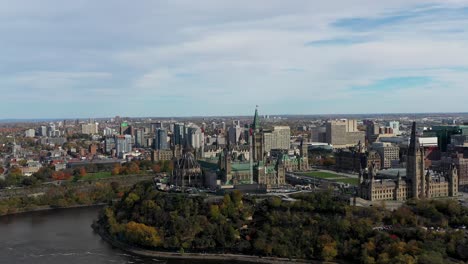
x=419, y=182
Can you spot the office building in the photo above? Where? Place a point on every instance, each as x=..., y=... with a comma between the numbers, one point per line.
x=109, y=144
x=235, y=133
x=444, y=134
x=389, y=154
x=30, y=133
x=354, y=159
x=160, y=140
x=195, y=137
x=178, y=134
x=123, y=144
x=372, y=130
x=139, y=138
x=90, y=129
x=109, y=131
x=343, y=133
x=281, y=137
x=318, y=134
x=395, y=126
x=43, y=131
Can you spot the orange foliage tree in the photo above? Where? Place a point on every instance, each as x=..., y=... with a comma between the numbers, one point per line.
x=116, y=170
x=82, y=172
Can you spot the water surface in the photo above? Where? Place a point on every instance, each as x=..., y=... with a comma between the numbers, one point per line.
x=58, y=237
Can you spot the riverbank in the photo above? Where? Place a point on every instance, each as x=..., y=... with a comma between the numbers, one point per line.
x=49, y=208
x=193, y=256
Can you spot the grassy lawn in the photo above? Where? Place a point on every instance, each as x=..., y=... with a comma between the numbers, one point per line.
x=351, y=181
x=321, y=175
x=97, y=175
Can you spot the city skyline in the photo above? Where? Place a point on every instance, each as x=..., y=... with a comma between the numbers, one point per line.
x=88, y=59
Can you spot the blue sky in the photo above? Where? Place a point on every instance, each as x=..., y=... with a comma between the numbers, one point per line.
x=68, y=59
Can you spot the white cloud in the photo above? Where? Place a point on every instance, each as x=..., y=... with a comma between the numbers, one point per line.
x=242, y=52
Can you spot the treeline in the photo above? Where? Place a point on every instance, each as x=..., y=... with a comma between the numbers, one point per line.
x=143, y=166
x=48, y=173
x=64, y=196
x=316, y=226
x=44, y=174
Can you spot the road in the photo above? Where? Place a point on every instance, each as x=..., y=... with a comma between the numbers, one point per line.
x=344, y=174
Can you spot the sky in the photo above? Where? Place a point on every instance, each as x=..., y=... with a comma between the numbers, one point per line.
x=80, y=59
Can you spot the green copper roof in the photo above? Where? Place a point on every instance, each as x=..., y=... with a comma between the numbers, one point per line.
x=240, y=166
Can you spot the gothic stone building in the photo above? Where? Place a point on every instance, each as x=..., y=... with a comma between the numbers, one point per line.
x=419, y=183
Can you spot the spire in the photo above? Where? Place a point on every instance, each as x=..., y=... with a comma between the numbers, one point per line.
x=412, y=145
x=256, y=121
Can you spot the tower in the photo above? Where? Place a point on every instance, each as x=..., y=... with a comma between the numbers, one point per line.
x=371, y=173
x=453, y=180
x=257, y=138
x=415, y=166
x=304, y=159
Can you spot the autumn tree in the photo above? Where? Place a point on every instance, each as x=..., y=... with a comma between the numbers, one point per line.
x=156, y=168
x=328, y=247
x=116, y=170
x=141, y=234
x=15, y=171
x=82, y=172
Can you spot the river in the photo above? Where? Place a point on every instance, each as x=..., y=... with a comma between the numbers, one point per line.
x=61, y=236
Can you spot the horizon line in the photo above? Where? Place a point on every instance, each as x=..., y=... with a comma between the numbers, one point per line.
x=6, y=120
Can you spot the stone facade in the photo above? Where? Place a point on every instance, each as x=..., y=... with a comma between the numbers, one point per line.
x=419, y=183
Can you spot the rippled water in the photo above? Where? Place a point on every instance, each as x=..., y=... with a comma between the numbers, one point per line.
x=60, y=236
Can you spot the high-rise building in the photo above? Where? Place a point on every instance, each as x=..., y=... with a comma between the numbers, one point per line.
x=30, y=133
x=126, y=129
x=89, y=129
x=123, y=144
x=160, y=140
x=139, y=138
x=395, y=126
x=156, y=125
x=372, y=130
x=194, y=136
x=268, y=140
x=43, y=131
x=389, y=153
x=318, y=134
x=108, y=131
x=109, y=144
x=444, y=134
x=235, y=133
x=178, y=134
x=343, y=133
x=281, y=137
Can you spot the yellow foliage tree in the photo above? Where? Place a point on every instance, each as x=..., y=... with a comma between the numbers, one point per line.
x=142, y=235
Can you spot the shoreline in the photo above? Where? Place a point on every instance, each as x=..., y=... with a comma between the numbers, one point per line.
x=197, y=256
x=51, y=208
